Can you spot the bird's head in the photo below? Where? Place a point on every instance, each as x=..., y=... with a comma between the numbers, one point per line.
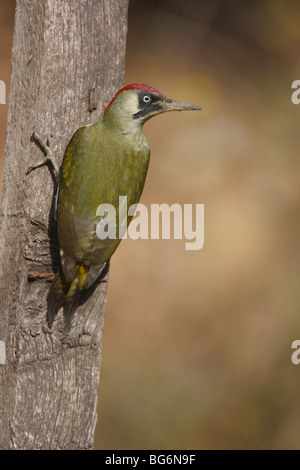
x=136, y=103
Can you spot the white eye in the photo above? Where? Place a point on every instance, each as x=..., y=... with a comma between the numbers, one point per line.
x=146, y=99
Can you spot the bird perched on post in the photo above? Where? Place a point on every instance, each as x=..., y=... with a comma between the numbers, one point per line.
x=102, y=161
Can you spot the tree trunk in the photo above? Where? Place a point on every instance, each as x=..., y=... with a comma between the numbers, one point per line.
x=68, y=59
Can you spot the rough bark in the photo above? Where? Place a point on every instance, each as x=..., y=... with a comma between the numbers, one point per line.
x=68, y=59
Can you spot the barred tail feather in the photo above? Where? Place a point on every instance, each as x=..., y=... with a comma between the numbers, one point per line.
x=65, y=294
x=56, y=298
x=72, y=301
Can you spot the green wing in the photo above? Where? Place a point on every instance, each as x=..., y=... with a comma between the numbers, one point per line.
x=98, y=167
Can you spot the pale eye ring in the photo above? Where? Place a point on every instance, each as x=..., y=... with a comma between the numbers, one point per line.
x=146, y=99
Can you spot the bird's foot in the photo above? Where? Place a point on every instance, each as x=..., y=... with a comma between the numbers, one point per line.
x=50, y=157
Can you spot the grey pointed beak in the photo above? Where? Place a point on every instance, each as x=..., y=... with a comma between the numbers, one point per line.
x=174, y=105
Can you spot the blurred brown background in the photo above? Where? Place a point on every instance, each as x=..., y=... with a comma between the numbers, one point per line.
x=197, y=344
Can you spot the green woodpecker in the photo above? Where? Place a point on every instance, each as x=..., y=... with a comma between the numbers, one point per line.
x=102, y=161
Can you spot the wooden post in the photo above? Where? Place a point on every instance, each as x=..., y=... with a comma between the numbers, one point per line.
x=67, y=62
